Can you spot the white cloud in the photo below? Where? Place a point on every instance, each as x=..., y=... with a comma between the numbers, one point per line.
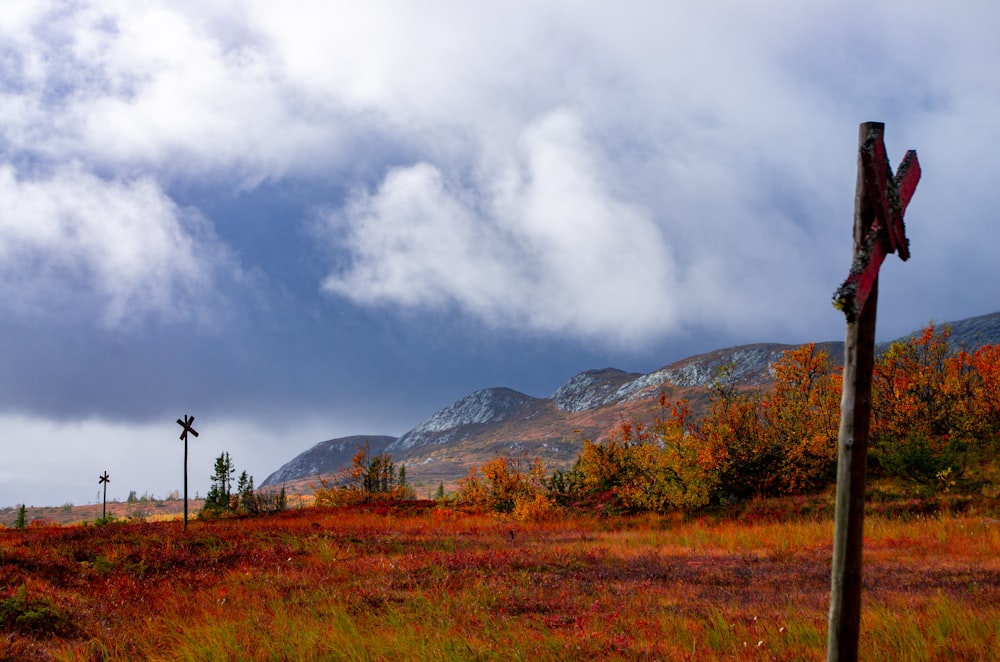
x=720, y=140
x=181, y=90
x=124, y=239
x=538, y=243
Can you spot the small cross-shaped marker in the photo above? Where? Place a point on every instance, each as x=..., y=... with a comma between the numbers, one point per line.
x=186, y=424
x=104, y=479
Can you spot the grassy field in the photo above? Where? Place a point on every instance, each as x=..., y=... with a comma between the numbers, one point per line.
x=421, y=582
x=151, y=509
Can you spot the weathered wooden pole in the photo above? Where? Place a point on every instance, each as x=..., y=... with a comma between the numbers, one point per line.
x=105, y=479
x=879, y=203
x=186, y=423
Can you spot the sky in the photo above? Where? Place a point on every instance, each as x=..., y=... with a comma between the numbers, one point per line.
x=303, y=220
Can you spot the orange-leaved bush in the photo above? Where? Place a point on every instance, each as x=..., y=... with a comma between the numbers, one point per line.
x=509, y=486
x=802, y=417
x=662, y=468
x=935, y=410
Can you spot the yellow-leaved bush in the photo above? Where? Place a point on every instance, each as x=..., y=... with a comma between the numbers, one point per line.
x=510, y=486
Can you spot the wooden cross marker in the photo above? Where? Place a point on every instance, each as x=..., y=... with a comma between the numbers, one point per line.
x=104, y=479
x=186, y=423
x=879, y=203
x=884, y=198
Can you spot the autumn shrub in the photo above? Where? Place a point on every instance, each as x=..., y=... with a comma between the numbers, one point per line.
x=936, y=410
x=539, y=509
x=745, y=461
x=268, y=501
x=802, y=417
x=329, y=495
x=369, y=478
x=661, y=468
x=985, y=396
x=505, y=485
x=779, y=442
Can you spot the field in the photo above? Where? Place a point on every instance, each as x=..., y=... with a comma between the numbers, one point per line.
x=417, y=581
x=150, y=509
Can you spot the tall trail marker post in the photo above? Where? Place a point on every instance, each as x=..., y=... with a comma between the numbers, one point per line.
x=104, y=479
x=880, y=200
x=186, y=423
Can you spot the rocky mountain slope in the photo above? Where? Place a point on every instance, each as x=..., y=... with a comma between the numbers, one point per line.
x=326, y=458
x=976, y=331
x=475, y=412
x=501, y=421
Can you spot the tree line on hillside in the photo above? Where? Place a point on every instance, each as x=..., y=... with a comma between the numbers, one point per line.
x=935, y=422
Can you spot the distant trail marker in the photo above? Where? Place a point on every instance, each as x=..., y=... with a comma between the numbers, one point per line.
x=186, y=423
x=104, y=479
x=880, y=200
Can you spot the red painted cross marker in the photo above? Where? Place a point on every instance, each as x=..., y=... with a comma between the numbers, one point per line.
x=886, y=200
x=186, y=424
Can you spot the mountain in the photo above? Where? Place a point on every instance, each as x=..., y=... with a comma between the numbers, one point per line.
x=592, y=389
x=469, y=416
x=502, y=421
x=975, y=332
x=325, y=458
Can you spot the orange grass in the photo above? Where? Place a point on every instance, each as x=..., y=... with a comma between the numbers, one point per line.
x=427, y=583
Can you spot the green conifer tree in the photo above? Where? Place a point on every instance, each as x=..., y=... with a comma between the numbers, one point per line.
x=217, y=501
x=247, y=497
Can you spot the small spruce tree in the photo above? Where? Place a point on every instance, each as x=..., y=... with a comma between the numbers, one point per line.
x=217, y=501
x=245, y=494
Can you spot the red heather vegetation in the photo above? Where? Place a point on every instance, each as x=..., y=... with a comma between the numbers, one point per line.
x=682, y=538
x=423, y=581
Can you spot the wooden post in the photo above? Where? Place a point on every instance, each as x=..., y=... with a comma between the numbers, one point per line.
x=852, y=457
x=879, y=203
x=185, y=482
x=105, y=479
x=186, y=423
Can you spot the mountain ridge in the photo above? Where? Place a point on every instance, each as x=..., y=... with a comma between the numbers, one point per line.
x=501, y=420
